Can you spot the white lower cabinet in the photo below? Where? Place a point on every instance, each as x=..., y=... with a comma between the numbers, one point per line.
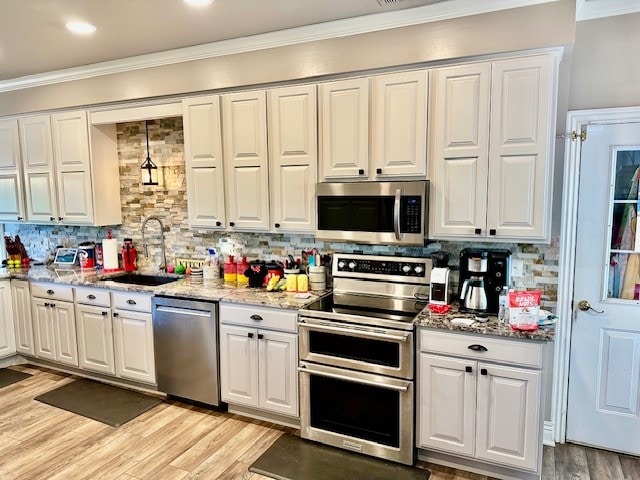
x=258, y=365
x=21, y=301
x=7, y=335
x=95, y=339
x=133, y=345
x=472, y=406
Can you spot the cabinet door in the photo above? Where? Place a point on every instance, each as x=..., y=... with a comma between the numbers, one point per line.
x=45, y=337
x=21, y=300
x=344, y=129
x=7, y=335
x=64, y=322
x=447, y=404
x=459, y=162
x=278, y=375
x=71, y=155
x=203, y=162
x=133, y=346
x=39, y=177
x=239, y=365
x=244, y=117
x=521, y=152
x=399, y=125
x=11, y=195
x=293, y=157
x=508, y=417
x=95, y=339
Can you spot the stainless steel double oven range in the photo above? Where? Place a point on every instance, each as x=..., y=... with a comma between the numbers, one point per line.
x=357, y=356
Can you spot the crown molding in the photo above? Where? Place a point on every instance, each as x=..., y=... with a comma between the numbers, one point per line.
x=593, y=9
x=293, y=36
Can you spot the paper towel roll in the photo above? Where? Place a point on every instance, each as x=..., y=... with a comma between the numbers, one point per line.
x=110, y=253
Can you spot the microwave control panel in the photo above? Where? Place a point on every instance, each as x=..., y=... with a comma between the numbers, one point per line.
x=411, y=214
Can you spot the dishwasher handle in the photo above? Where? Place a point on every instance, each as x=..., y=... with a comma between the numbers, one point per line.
x=183, y=311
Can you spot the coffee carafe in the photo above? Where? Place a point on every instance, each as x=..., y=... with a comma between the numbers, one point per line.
x=473, y=294
x=483, y=273
x=439, y=280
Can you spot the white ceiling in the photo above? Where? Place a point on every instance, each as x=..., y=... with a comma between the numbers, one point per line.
x=33, y=39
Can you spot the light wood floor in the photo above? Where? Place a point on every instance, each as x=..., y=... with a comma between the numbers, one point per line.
x=175, y=441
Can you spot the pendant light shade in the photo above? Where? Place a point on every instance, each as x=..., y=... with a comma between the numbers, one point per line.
x=149, y=169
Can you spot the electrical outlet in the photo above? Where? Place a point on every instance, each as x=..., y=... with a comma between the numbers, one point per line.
x=517, y=268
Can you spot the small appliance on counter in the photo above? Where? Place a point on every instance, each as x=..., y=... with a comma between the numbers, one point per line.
x=483, y=273
x=439, y=280
x=129, y=256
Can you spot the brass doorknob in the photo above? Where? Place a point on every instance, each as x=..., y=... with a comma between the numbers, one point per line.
x=585, y=306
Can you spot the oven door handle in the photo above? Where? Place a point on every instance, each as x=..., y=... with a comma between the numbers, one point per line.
x=354, y=332
x=397, y=388
x=396, y=214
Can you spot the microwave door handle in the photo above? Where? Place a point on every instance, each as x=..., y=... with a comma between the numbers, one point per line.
x=396, y=214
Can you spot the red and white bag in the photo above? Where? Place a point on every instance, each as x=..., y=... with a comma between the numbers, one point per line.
x=524, y=307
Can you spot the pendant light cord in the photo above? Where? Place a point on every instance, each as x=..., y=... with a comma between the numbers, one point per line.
x=146, y=126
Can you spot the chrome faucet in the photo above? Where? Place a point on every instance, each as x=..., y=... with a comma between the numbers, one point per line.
x=163, y=267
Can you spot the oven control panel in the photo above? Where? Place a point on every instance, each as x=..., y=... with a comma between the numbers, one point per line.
x=383, y=267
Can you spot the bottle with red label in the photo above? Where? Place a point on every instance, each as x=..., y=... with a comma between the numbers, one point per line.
x=129, y=256
x=230, y=270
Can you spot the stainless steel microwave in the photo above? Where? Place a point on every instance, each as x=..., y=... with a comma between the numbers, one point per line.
x=390, y=213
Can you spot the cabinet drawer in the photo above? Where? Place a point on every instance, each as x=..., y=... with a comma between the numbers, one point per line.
x=93, y=296
x=53, y=291
x=511, y=351
x=137, y=302
x=259, y=317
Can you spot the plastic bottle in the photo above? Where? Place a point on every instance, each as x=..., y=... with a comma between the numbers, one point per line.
x=503, y=308
x=242, y=265
x=230, y=270
x=214, y=262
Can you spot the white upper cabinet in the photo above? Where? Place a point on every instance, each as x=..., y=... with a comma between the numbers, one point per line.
x=71, y=154
x=499, y=189
x=11, y=194
x=203, y=161
x=244, y=118
x=39, y=169
x=399, y=125
x=293, y=157
x=344, y=129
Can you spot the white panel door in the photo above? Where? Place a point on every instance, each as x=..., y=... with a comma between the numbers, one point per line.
x=293, y=157
x=21, y=300
x=399, y=125
x=521, y=148
x=39, y=169
x=7, y=334
x=44, y=329
x=64, y=321
x=447, y=404
x=508, y=416
x=203, y=161
x=239, y=365
x=133, y=346
x=95, y=339
x=459, y=162
x=278, y=373
x=11, y=194
x=344, y=129
x=604, y=370
x=71, y=154
x=244, y=118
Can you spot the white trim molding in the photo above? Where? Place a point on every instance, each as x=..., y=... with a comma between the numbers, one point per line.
x=576, y=122
x=293, y=36
x=592, y=9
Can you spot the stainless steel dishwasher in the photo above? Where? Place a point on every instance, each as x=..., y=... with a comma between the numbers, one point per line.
x=185, y=338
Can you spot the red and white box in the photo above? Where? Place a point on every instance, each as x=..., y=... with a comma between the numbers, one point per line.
x=524, y=307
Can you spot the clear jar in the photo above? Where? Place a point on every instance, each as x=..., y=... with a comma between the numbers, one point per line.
x=503, y=307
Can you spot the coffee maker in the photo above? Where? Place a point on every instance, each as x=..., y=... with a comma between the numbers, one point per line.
x=439, y=280
x=483, y=273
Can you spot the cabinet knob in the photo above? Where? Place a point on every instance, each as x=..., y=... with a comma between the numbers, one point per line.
x=46, y=304
x=52, y=218
x=260, y=336
x=250, y=335
x=116, y=314
x=378, y=171
x=361, y=172
x=277, y=225
x=218, y=224
x=50, y=292
x=478, y=231
x=468, y=369
x=483, y=371
x=52, y=305
x=232, y=224
x=256, y=317
x=492, y=231
x=60, y=219
x=104, y=314
x=477, y=347
x=19, y=218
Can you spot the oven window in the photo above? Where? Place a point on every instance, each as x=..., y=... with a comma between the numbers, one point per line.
x=378, y=352
x=360, y=411
x=356, y=214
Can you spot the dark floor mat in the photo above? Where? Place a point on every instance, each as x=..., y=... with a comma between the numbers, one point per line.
x=104, y=403
x=8, y=376
x=293, y=458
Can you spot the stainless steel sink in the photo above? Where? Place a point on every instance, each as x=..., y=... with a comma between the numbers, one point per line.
x=141, y=279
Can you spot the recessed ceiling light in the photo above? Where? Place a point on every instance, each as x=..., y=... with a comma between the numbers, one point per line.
x=82, y=28
x=198, y=3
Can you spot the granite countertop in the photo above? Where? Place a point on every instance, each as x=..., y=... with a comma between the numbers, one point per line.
x=213, y=290
x=428, y=319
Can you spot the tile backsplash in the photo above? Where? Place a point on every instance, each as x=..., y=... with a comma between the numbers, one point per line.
x=168, y=201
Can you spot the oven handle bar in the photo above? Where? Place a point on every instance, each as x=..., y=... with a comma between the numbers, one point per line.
x=396, y=214
x=360, y=333
x=397, y=388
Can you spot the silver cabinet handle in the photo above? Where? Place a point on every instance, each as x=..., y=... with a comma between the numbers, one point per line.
x=397, y=388
x=354, y=332
x=396, y=214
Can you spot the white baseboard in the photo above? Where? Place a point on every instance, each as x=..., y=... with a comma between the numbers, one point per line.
x=548, y=435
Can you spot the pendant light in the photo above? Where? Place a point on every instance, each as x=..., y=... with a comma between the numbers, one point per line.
x=149, y=169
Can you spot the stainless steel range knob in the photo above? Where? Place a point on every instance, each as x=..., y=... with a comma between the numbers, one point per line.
x=406, y=268
x=340, y=264
x=352, y=265
x=418, y=269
